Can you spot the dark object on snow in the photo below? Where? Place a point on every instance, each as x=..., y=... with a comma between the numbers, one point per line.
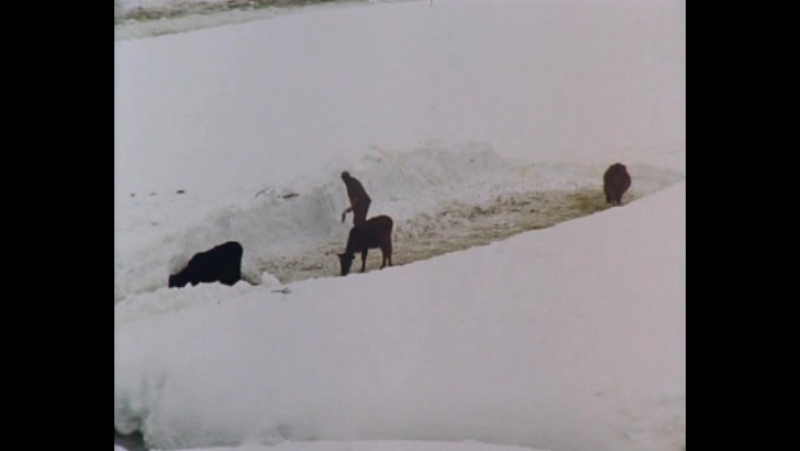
x=289, y=196
x=131, y=442
x=616, y=182
x=374, y=233
x=180, y=191
x=221, y=264
x=359, y=199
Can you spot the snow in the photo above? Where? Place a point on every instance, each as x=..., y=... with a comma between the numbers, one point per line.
x=542, y=340
x=380, y=446
x=383, y=445
x=145, y=18
x=465, y=121
x=533, y=79
x=427, y=189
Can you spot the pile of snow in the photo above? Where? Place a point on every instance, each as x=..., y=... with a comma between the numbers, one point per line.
x=568, y=338
x=274, y=100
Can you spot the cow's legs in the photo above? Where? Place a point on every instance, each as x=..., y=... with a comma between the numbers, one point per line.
x=387, y=255
x=364, y=260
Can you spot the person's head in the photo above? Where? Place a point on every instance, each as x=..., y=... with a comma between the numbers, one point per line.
x=345, y=175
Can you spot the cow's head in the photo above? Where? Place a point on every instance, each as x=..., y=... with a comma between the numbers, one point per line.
x=177, y=281
x=345, y=262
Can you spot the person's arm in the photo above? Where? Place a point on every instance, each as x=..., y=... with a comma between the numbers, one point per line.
x=346, y=210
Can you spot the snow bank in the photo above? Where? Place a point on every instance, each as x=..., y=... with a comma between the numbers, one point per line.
x=568, y=338
x=271, y=100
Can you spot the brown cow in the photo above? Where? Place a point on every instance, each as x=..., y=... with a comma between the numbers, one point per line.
x=616, y=182
x=373, y=233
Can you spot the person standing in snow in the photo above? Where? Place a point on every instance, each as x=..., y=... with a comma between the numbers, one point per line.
x=359, y=200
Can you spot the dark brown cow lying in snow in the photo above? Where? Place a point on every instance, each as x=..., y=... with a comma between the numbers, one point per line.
x=374, y=233
x=221, y=264
x=616, y=182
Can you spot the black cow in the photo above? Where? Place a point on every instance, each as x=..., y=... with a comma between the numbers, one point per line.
x=221, y=264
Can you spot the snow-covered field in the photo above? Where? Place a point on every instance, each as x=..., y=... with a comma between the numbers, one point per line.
x=480, y=127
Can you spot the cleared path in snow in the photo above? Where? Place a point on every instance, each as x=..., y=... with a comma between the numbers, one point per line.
x=460, y=225
x=441, y=201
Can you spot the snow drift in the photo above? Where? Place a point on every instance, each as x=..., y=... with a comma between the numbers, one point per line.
x=569, y=338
